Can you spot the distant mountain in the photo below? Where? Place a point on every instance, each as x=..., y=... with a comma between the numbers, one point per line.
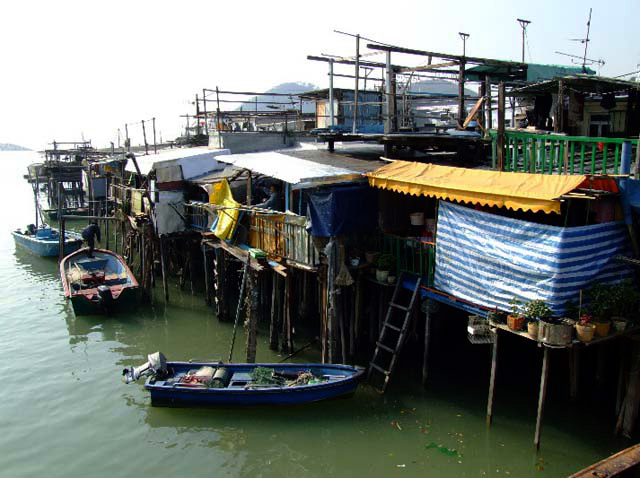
x=12, y=147
x=287, y=88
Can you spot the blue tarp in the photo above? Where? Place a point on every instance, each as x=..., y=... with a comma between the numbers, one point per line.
x=343, y=210
x=488, y=259
x=630, y=195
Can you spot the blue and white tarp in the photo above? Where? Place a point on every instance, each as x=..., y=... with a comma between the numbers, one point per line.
x=488, y=259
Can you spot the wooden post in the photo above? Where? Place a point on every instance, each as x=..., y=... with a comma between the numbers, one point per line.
x=500, y=140
x=461, y=112
x=574, y=367
x=144, y=135
x=205, y=261
x=163, y=265
x=251, y=321
x=218, y=128
x=219, y=284
x=488, y=105
x=127, y=141
x=249, y=187
x=492, y=379
x=155, y=145
x=204, y=108
x=390, y=100
x=61, y=219
x=543, y=393
x=287, y=345
x=356, y=92
x=427, y=340
x=275, y=301
x=558, y=126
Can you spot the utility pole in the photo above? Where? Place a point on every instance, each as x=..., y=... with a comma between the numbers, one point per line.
x=464, y=37
x=461, y=112
x=524, y=24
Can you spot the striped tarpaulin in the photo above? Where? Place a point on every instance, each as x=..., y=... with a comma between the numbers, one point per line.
x=489, y=259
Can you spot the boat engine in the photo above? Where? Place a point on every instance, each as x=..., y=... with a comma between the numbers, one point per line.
x=156, y=365
x=104, y=296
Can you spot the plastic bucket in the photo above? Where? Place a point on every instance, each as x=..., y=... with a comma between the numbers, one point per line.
x=417, y=218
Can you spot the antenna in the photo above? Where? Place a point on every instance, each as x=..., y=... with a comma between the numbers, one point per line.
x=524, y=24
x=585, y=41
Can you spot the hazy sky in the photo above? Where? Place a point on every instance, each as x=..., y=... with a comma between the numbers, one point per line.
x=73, y=69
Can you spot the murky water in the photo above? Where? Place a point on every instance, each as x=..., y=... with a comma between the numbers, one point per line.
x=64, y=411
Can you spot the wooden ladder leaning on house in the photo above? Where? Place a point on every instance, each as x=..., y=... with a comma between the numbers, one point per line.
x=387, y=347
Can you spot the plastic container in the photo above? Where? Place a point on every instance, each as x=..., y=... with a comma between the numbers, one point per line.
x=417, y=218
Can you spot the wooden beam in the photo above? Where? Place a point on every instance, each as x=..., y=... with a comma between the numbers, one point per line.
x=474, y=111
x=427, y=67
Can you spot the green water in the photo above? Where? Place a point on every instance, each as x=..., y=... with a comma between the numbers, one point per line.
x=65, y=413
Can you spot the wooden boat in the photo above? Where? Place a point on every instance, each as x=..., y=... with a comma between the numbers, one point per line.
x=45, y=241
x=176, y=384
x=625, y=463
x=101, y=284
x=78, y=213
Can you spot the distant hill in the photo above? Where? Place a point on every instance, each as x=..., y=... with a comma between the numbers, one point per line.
x=291, y=88
x=12, y=147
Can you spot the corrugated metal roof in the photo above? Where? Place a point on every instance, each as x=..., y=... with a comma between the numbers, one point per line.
x=202, y=159
x=303, y=168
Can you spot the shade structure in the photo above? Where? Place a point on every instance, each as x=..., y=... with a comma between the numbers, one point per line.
x=525, y=191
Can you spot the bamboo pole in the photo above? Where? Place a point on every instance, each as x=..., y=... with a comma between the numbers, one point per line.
x=543, y=393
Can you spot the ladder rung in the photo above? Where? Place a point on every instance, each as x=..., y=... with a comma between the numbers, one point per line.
x=398, y=306
x=392, y=327
x=385, y=347
x=379, y=369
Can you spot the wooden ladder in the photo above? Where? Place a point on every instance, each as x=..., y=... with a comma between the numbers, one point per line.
x=392, y=335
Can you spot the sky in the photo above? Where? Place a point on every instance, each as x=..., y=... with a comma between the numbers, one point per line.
x=74, y=70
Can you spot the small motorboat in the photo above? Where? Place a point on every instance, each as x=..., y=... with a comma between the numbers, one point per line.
x=98, y=284
x=184, y=384
x=44, y=241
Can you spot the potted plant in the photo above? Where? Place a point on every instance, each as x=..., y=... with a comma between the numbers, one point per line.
x=624, y=303
x=384, y=263
x=599, y=297
x=535, y=311
x=585, y=329
x=515, y=320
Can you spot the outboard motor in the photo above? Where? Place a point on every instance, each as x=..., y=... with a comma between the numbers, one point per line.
x=104, y=296
x=156, y=365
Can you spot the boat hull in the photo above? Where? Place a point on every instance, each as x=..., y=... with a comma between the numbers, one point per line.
x=170, y=395
x=47, y=247
x=102, y=284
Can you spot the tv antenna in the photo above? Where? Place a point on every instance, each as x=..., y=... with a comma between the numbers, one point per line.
x=585, y=41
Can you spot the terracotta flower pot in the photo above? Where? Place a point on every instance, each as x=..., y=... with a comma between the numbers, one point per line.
x=515, y=322
x=585, y=332
x=602, y=328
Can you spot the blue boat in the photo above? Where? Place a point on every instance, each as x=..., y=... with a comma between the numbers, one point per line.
x=45, y=241
x=190, y=384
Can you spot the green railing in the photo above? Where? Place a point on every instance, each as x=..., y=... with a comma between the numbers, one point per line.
x=555, y=154
x=412, y=255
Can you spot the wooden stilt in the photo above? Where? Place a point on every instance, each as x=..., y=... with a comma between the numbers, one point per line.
x=205, y=261
x=543, y=394
x=251, y=321
x=192, y=272
x=219, y=284
x=287, y=345
x=427, y=339
x=273, y=327
x=492, y=379
x=574, y=372
x=163, y=265
x=600, y=360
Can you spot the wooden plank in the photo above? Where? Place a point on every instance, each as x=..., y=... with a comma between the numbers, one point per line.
x=474, y=111
x=492, y=380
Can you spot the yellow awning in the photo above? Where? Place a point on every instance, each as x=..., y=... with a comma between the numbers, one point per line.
x=529, y=192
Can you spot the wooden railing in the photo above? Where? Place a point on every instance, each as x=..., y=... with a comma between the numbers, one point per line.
x=127, y=197
x=556, y=154
x=412, y=255
x=199, y=215
x=285, y=236
x=279, y=235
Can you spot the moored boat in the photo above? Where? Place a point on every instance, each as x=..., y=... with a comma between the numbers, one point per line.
x=99, y=284
x=176, y=384
x=44, y=241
